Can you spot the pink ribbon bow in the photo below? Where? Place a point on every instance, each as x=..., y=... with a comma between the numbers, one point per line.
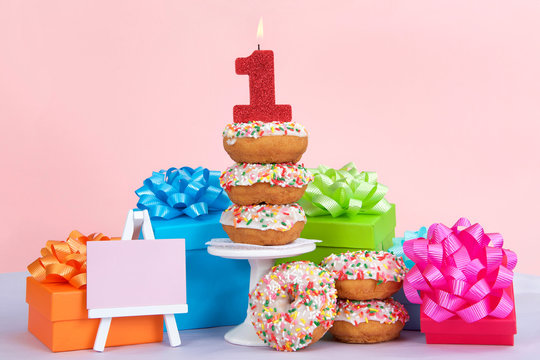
x=460, y=272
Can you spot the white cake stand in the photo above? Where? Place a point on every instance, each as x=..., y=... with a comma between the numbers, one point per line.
x=261, y=259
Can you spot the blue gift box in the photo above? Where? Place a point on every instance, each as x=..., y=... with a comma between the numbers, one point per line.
x=397, y=249
x=217, y=288
x=412, y=309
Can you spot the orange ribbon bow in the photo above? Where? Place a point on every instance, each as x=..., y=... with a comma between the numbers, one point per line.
x=64, y=261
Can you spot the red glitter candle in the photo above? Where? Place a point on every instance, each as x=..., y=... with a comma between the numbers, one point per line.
x=259, y=66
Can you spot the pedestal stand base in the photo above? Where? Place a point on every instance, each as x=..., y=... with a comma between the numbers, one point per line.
x=244, y=334
x=261, y=259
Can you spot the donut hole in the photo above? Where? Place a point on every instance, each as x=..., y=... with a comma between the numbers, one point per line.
x=285, y=299
x=283, y=304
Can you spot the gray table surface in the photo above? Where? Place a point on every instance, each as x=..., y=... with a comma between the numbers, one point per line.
x=17, y=343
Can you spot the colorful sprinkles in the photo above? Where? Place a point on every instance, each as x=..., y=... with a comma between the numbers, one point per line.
x=376, y=265
x=284, y=174
x=263, y=216
x=290, y=302
x=256, y=129
x=386, y=311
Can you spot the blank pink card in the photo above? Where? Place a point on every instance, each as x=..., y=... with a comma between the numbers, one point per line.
x=128, y=273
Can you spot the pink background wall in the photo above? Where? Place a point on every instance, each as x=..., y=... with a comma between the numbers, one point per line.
x=440, y=98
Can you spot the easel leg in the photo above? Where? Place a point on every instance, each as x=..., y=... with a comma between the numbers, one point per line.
x=101, y=336
x=172, y=330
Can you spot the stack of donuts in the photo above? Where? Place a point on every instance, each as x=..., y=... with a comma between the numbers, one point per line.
x=265, y=182
x=365, y=280
x=348, y=294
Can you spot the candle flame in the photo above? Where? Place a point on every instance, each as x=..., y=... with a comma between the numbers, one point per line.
x=260, y=30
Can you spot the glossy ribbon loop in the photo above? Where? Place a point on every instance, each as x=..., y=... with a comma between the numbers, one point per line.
x=460, y=271
x=397, y=247
x=344, y=192
x=64, y=261
x=183, y=191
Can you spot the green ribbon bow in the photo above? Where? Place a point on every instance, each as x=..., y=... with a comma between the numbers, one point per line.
x=344, y=192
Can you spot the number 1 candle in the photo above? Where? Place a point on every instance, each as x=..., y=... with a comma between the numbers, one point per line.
x=259, y=66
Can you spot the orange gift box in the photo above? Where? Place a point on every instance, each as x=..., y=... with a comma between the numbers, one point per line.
x=58, y=317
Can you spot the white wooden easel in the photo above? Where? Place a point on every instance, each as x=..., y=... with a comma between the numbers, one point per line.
x=136, y=222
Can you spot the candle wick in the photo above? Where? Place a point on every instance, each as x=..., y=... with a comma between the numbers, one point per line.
x=258, y=46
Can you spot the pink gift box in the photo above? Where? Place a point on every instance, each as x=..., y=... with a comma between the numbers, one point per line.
x=487, y=331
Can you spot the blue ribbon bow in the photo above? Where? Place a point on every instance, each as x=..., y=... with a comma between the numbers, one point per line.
x=175, y=192
x=397, y=247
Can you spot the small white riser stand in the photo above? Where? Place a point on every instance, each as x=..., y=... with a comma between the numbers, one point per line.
x=261, y=259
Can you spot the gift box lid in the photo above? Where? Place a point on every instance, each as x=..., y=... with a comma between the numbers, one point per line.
x=197, y=231
x=484, y=327
x=358, y=231
x=56, y=301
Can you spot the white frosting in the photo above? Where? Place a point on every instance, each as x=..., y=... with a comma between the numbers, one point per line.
x=386, y=311
x=364, y=264
x=256, y=129
x=284, y=175
x=290, y=302
x=263, y=217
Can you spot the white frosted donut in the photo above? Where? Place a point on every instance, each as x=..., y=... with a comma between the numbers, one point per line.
x=290, y=303
x=381, y=266
x=263, y=216
x=386, y=311
x=284, y=175
x=257, y=129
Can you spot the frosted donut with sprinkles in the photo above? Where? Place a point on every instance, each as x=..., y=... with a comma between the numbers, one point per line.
x=265, y=142
x=293, y=306
x=248, y=184
x=356, y=312
x=365, y=275
x=368, y=321
x=263, y=224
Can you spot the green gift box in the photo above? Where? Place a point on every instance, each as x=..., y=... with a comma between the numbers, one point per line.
x=347, y=211
x=348, y=233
